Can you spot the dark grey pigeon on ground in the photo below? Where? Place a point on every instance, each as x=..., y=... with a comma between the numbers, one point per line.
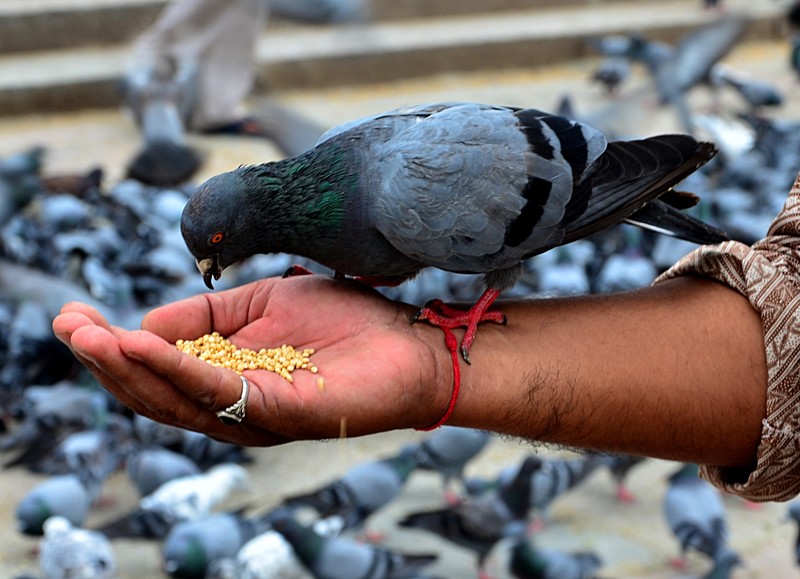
x=480, y=522
x=463, y=187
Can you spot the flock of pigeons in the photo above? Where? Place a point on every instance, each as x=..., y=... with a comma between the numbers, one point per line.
x=71, y=237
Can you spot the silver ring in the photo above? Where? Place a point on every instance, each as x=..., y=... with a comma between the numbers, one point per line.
x=235, y=413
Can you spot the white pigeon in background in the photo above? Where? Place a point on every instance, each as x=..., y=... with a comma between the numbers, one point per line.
x=68, y=552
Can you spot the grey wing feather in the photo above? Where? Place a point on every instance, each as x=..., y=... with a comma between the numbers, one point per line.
x=449, y=187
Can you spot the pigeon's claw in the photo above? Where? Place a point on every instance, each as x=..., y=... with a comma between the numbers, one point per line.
x=444, y=316
x=295, y=270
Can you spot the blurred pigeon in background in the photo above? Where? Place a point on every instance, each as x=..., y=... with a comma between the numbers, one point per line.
x=345, y=558
x=361, y=491
x=695, y=514
x=448, y=450
x=530, y=562
x=66, y=552
x=181, y=499
x=478, y=523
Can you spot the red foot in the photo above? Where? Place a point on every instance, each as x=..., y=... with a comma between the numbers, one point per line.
x=679, y=563
x=372, y=537
x=751, y=506
x=452, y=498
x=624, y=495
x=443, y=316
x=537, y=525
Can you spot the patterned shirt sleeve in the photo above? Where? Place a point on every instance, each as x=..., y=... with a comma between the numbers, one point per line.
x=768, y=274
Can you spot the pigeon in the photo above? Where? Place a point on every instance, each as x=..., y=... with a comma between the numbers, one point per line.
x=161, y=98
x=181, y=499
x=695, y=513
x=550, y=478
x=479, y=522
x=269, y=556
x=463, y=187
x=448, y=449
x=794, y=514
x=756, y=93
x=619, y=465
x=69, y=495
x=149, y=468
x=345, y=558
x=190, y=546
x=67, y=552
x=530, y=562
x=724, y=563
x=361, y=491
x=611, y=73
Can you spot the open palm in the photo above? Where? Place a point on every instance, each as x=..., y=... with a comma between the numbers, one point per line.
x=376, y=371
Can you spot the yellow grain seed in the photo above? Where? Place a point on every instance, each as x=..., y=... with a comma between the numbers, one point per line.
x=221, y=352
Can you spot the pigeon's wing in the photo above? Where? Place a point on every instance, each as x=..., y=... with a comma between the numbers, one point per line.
x=696, y=54
x=387, y=123
x=474, y=188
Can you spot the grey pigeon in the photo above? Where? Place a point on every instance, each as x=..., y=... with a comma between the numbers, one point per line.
x=693, y=60
x=695, y=513
x=463, y=187
x=345, y=558
x=182, y=499
x=756, y=93
x=611, y=73
x=362, y=490
x=794, y=514
x=67, y=552
x=478, y=523
x=530, y=562
x=724, y=564
x=550, y=478
x=619, y=465
x=69, y=495
x=162, y=98
x=149, y=468
x=448, y=450
x=190, y=546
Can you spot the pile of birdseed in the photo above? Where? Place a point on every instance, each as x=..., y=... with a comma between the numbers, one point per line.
x=221, y=352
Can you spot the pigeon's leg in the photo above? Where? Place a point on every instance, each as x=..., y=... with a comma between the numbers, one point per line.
x=444, y=316
x=295, y=270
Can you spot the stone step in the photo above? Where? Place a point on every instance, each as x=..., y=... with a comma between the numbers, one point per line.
x=36, y=25
x=307, y=58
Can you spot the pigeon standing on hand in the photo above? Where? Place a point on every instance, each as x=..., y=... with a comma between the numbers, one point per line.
x=462, y=187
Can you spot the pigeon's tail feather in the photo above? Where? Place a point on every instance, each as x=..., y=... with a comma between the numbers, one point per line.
x=139, y=524
x=663, y=218
x=630, y=174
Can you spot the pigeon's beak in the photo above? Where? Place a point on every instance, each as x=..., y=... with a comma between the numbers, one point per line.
x=209, y=267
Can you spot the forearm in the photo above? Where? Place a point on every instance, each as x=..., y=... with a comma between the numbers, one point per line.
x=675, y=371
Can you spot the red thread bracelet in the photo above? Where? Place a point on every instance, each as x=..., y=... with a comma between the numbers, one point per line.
x=452, y=344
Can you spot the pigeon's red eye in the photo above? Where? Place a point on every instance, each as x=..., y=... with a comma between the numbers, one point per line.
x=217, y=237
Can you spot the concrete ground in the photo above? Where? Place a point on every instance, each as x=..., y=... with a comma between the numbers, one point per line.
x=632, y=539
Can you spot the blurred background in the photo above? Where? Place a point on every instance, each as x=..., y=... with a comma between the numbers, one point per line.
x=82, y=220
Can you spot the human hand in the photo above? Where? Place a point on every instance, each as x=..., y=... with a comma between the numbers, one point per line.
x=380, y=372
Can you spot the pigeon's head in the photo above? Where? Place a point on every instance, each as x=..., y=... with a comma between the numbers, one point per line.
x=212, y=224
